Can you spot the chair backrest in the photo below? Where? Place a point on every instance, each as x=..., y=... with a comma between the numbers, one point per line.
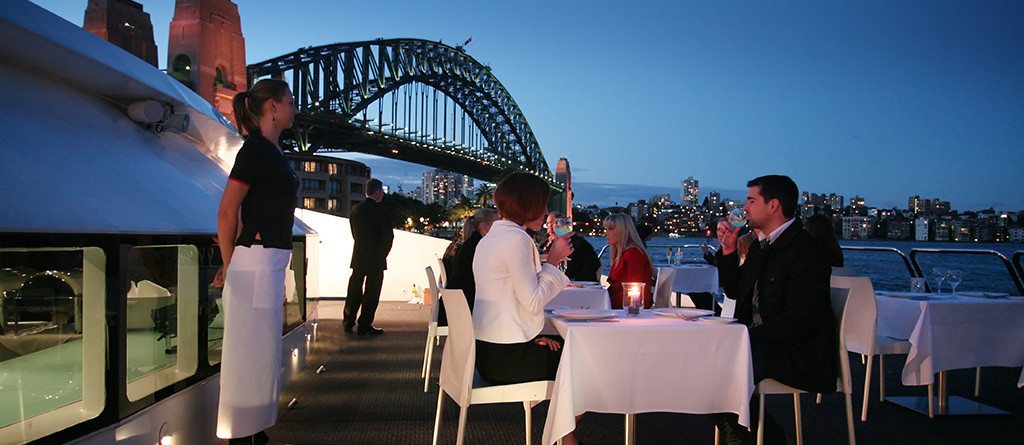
x=861, y=313
x=853, y=271
x=434, y=308
x=442, y=273
x=840, y=299
x=663, y=287
x=459, y=357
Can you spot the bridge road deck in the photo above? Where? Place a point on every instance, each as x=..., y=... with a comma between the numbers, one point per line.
x=370, y=392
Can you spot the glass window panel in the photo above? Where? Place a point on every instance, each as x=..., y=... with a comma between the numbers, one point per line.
x=52, y=340
x=163, y=315
x=295, y=286
x=215, y=328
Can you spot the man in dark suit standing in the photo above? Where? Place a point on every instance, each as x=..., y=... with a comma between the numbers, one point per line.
x=372, y=235
x=782, y=294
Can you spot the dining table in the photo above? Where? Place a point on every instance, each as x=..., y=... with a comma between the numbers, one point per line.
x=948, y=332
x=648, y=363
x=692, y=278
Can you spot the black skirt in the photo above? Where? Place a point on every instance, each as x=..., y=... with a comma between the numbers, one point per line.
x=502, y=364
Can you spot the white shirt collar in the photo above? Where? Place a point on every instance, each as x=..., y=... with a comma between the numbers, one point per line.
x=778, y=231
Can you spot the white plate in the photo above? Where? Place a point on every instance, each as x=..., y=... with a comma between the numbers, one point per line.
x=683, y=312
x=983, y=294
x=554, y=308
x=585, y=314
x=716, y=320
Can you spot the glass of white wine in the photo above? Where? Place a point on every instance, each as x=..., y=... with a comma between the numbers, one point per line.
x=738, y=218
x=562, y=225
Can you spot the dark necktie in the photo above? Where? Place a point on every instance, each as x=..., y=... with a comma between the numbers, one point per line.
x=755, y=309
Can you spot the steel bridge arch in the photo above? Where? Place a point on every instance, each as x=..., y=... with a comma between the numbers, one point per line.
x=332, y=84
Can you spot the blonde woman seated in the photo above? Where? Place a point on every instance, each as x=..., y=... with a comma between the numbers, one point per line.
x=630, y=260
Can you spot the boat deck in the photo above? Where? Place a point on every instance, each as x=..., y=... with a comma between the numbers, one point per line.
x=370, y=392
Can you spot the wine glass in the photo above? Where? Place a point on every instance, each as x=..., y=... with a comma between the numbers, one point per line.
x=668, y=256
x=954, y=276
x=738, y=218
x=562, y=226
x=939, y=275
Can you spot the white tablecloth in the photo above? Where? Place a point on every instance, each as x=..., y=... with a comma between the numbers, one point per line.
x=954, y=333
x=579, y=297
x=649, y=364
x=695, y=278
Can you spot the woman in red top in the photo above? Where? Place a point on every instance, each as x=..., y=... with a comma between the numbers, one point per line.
x=630, y=260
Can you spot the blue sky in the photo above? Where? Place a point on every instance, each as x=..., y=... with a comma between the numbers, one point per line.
x=878, y=98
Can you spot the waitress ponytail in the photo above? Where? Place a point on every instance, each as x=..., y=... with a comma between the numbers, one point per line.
x=248, y=105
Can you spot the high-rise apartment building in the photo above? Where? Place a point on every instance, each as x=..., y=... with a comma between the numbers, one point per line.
x=935, y=206
x=714, y=199
x=689, y=191
x=444, y=187
x=662, y=200
x=832, y=200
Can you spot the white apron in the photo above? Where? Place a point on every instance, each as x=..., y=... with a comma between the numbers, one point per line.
x=250, y=366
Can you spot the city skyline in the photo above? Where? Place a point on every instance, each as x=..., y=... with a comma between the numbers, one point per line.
x=878, y=99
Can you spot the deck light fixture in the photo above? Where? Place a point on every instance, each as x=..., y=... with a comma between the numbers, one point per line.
x=158, y=116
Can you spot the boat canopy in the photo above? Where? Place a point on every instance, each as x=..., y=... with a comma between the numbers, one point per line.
x=73, y=160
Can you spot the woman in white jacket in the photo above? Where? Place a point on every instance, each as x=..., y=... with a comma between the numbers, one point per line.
x=513, y=285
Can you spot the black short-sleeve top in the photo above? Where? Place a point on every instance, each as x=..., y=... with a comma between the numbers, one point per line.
x=269, y=207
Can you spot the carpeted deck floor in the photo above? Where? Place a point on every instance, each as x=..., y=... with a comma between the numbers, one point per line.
x=370, y=392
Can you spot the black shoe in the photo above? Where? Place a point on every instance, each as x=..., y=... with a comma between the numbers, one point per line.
x=348, y=328
x=370, y=331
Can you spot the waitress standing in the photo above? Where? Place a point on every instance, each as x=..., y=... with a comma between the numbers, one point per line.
x=254, y=226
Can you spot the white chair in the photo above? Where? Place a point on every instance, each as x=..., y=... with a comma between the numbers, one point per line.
x=771, y=386
x=459, y=379
x=845, y=271
x=434, y=332
x=663, y=287
x=862, y=337
x=442, y=273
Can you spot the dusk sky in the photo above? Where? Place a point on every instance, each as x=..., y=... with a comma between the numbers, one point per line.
x=885, y=99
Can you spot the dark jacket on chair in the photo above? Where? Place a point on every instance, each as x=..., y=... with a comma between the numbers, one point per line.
x=797, y=330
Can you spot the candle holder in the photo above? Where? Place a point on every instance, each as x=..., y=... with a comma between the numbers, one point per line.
x=633, y=298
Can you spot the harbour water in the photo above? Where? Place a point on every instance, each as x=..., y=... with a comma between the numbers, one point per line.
x=982, y=272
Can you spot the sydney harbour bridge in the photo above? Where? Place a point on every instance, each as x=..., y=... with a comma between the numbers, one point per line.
x=408, y=99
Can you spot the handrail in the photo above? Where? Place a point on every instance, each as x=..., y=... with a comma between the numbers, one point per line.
x=1009, y=267
x=1016, y=262
x=906, y=261
x=713, y=248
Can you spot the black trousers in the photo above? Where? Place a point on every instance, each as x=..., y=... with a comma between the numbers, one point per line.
x=363, y=300
x=503, y=364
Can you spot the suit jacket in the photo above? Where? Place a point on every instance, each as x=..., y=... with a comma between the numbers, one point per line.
x=372, y=235
x=583, y=262
x=461, y=276
x=798, y=327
